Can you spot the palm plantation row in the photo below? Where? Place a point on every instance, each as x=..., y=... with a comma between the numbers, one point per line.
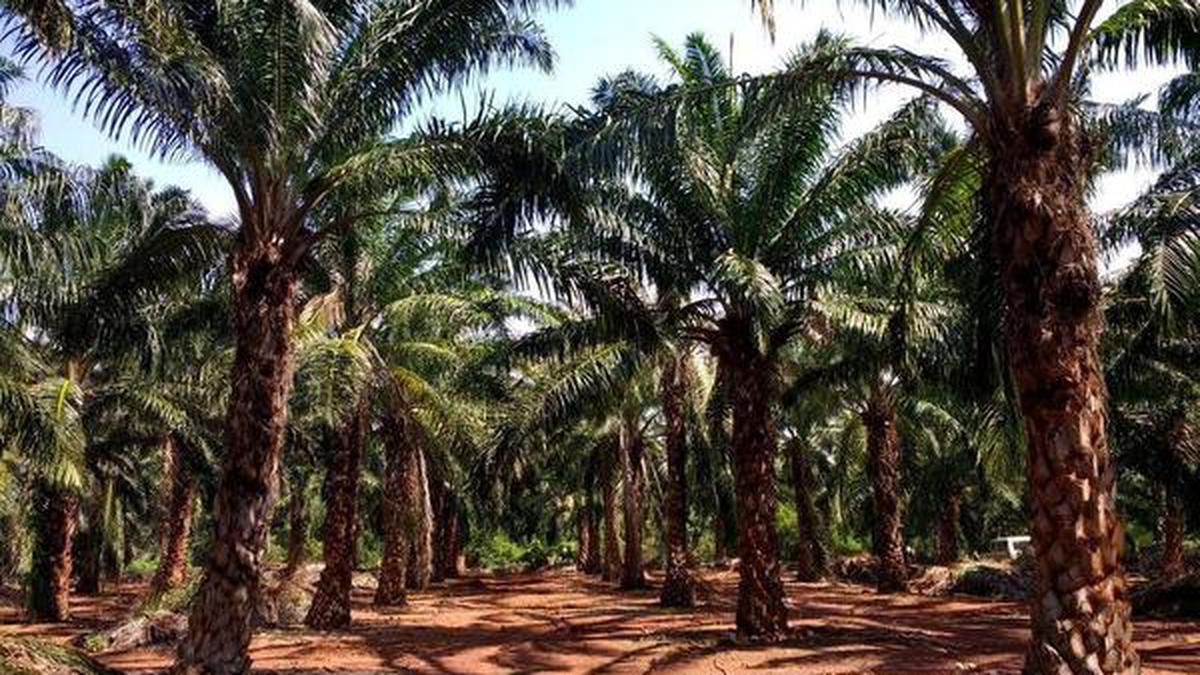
x=515, y=321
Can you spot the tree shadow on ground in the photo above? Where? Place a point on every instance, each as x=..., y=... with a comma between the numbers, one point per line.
x=560, y=622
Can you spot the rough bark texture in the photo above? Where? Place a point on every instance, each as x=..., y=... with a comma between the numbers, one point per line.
x=451, y=534
x=633, y=449
x=56, y=514
x=264, y=300
x=330, y=607
x=1047, y=253
x=883, y=457
x=437, y=498
x=180, y=490
x=612, y=546
x=678, y=586
x=583, y=549
x=87, y=554
x=723, y=522
x=399, y=444
x=592, y=564
x=464, y=534
x=761, y=612
x=297, y=529
x=812, y=561
x=1174, y=526
x=949, y=530
x=420, y=525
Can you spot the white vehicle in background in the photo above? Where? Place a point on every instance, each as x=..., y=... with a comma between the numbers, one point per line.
x=1011, y=547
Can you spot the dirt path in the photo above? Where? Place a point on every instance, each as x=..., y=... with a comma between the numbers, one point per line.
x=564, y=623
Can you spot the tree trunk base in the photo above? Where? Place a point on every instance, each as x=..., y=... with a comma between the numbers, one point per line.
x=679, y=589
x=391, y=595
x=637, y=583
x=329, y=611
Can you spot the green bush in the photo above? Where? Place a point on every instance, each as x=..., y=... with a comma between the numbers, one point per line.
x=370, y=550
x=849, y=544
x=142, y=567
x=536, y=556
x=176, y=600
x=495, y=550
x=539, y=555
x=788, y=529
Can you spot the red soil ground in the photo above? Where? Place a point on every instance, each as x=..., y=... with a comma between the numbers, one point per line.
x=562, y=622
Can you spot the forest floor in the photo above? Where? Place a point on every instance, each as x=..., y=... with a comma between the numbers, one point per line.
x=561, y=621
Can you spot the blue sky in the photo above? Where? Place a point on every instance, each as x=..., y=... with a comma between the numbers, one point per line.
x=599, y=37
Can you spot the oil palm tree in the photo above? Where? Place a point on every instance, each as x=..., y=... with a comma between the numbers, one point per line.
x=1151, y=345
x=906, y=335
x=618, y=312
x=593, y=392
x=112, y=249
x=1024, y=58
x=442, y=385
x=290, y=102
x=397, y=341
x=1154, y=300
x=758, y=209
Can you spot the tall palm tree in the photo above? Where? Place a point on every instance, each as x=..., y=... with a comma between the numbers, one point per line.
x=330, y=401
x=1155, y=299
x=1152, y=342
x=290, y=102
x=1018, y=102
x=113, y=248
x=812, y=555
x=752, y=203
x=642, y=322
x=900, y=328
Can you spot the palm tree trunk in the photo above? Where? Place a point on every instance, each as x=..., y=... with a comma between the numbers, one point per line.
x=1174, y=525
x=678, y=587
x=264, y=300
x=1047, y=252
x=420, y=536
x=330, y=607
x=462, y=527
x=399, y=440
x=811, y=559
x=582, y=545
x=450, y=537
x=88, y=549
x=180, y=488
x=591, y=520
x=631, y=459
x=883, y=456
x=612, y=547
x=437, y=496
x=761, y=612
x=55, y=514
x=297, y=529
x=724, y=524
x=949, y=530
x=592, y=564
